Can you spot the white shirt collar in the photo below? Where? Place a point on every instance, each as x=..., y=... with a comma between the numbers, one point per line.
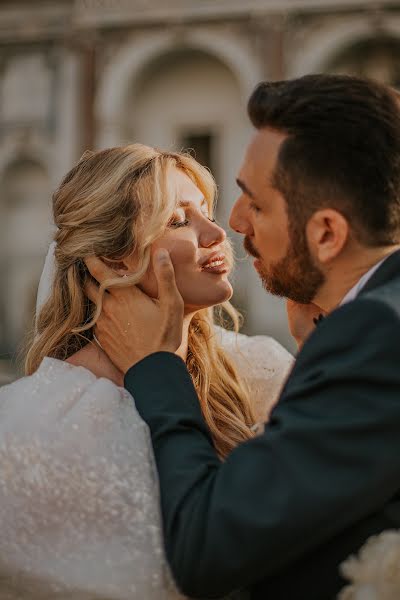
x=356, y=289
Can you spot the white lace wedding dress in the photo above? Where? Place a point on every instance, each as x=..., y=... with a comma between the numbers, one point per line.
x=79, y=500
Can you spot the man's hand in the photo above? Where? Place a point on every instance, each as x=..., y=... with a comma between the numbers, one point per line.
x=132, y=325
x=302, y=319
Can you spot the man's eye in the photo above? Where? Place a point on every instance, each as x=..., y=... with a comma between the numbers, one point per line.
x=254, y=207
x=177, y=224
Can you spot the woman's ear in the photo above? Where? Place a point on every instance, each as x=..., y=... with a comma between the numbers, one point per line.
x=119, y=266
x=327, y=234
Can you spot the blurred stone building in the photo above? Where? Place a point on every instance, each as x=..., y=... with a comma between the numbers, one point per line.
x=94, y=73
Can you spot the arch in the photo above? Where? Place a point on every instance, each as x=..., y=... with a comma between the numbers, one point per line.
x=25, y=228
x=317, y=53
x=36, y=149
x=135, y=55
x=25, y=191
x=370, y=57
x=16, y=174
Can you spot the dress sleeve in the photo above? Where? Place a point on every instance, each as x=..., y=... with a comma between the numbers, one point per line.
x=263, y=363
x=79, y=499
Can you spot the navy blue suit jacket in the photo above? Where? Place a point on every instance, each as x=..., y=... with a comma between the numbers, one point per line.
x=280, y=514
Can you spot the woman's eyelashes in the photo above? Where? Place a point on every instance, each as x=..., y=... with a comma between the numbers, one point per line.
x=177, y=224
x=177, y=221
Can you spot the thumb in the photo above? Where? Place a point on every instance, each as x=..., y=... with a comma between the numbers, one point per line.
x=165, y=275
x=169, y=299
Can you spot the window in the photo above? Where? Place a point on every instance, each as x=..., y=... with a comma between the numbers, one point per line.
x=201, y=145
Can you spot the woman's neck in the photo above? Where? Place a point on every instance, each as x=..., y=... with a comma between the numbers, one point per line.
x=183, y=348
x=96, y=360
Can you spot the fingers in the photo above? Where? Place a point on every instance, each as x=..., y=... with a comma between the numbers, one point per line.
x=92, y=292
x=106, y=276
x=169, y=298
x=165, y=275
x=98, y=269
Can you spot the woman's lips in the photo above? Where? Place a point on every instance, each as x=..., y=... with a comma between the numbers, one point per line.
x=215, y=265
x=218, y=267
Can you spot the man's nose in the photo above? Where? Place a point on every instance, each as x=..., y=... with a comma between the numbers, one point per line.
x=238, y=220
x=211, y=235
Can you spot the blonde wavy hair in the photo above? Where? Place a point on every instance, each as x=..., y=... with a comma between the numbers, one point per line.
x=114, y=203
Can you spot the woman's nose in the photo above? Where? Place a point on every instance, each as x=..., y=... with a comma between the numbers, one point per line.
x=211, y=235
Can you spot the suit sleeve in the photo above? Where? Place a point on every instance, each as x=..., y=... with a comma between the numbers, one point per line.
x=330, y=455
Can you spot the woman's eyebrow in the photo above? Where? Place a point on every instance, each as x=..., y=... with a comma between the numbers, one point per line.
x=188, y=203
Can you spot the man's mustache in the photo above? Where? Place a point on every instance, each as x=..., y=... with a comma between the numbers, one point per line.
x=248, y=246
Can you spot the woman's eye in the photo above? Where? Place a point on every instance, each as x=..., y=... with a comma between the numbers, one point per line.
x=206, y=214
x=176, y=224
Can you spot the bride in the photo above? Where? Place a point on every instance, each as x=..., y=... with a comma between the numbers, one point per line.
x=79, y=501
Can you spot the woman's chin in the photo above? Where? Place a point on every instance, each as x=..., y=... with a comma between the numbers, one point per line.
x=222, y=292
x=229, y=290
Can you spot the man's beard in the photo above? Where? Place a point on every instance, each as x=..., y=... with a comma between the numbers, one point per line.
x=295, y=276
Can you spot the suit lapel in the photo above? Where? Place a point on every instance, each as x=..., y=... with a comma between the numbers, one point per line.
x=390, y=269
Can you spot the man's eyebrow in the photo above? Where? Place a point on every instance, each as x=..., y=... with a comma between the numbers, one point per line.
x=244, y=188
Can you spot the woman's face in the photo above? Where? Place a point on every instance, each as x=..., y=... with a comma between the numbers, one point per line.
x=196, y=246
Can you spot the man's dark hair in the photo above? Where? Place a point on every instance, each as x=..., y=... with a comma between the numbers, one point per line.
x=342, y=150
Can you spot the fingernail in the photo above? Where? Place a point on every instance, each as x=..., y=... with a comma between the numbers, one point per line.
x=162, y=255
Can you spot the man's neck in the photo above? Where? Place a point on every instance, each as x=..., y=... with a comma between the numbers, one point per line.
x=344, y=275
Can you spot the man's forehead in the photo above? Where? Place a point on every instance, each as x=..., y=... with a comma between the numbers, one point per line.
x=261, y=152
x=265, y=143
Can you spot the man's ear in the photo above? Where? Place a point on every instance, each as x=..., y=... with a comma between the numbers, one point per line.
x=327, y=233
x=119, y=266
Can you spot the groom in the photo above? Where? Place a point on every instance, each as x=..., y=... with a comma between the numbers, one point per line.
x=320, y=211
